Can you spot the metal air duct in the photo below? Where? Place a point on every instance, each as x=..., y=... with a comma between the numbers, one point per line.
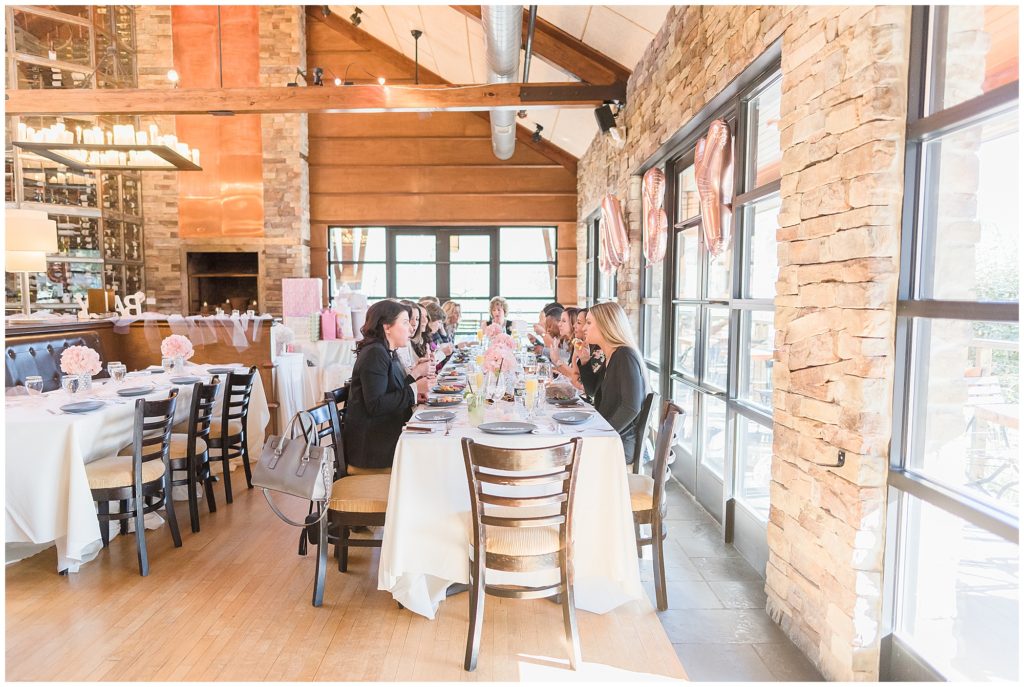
x=503, y=39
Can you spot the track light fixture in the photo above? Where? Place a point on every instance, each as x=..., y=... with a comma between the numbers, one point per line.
x=536, y=133
x=606, y=117
x=318, y=77
x=325, y=10
x=337, y=82
x=355, y=18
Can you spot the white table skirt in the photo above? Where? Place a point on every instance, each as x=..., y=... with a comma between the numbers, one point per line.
x=427, y=536
x=332, y=363
x=47, y=495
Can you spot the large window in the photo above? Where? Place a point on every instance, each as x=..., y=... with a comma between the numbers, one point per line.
x=954, y=479
x=713, y=355
x=467, y=264
x=601, y=286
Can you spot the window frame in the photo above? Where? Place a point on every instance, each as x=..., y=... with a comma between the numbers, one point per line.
x=899, y=661
x=441, y=235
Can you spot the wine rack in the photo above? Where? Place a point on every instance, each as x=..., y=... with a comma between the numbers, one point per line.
x=99, y=216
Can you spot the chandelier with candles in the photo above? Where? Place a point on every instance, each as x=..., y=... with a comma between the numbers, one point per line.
x=119, y=148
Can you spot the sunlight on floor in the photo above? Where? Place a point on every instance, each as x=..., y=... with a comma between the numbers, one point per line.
x=546, y=669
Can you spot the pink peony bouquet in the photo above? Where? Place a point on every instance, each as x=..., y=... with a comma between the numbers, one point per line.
x=80, y=360
x=493, y=330
x=503, y=340
x=176, y=346
x=499, y=358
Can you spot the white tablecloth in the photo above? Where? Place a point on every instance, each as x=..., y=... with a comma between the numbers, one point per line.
x=298, y=386
x=47, y=495
x=332, y=363
x=427, y=539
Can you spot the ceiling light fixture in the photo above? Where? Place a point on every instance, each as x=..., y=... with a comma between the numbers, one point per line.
x=379, y=79
x=536, y=134
x=122, y=148
x=318, y=77
x=416, y=33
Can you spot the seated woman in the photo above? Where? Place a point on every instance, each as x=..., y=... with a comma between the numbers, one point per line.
x=408, y=354
x=622, y=385
x=452, y=317
x=382, y=394
x=436, y=336
x=587, y=358
x=499, y=313
x=563, y=352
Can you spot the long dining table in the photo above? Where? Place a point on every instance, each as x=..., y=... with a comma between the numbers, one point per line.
x=427, y=532
x=47, y=495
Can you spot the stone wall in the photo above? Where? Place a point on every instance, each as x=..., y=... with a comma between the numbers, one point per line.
x=285, y=246
x=842, y=126
x=154, y=58
x=285, y=150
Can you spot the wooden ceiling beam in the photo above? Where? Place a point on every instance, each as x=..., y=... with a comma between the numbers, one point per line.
x=563, y=50
x=327, y=99
x=371, y=43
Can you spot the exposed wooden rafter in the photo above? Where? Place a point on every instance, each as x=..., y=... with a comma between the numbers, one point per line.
x=364, y=38
x=563, y=50
x=355, y=98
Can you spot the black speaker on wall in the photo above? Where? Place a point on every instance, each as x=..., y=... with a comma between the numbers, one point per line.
x=605, y=118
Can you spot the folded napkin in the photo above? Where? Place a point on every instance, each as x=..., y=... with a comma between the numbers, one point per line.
x=423, y=427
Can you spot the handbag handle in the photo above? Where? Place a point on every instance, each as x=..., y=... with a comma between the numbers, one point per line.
x=327, y=465
x=277, y=511
x=289, y=432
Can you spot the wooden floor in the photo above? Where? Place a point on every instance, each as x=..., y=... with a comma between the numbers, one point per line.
x=234, y=604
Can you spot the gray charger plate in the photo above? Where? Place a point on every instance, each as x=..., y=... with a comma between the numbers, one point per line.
x=438, y=404
x=220, y=370
x=507, y=427
x=81, y=406
x=564, y=403
x=135, y=391
x=435, y=416
x=572, y=417
x=185, y=380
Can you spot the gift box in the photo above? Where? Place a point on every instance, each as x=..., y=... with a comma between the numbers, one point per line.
x=299, y=325
x=302, y=296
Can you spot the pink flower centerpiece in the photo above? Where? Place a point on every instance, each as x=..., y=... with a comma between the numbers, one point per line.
x=177, y=346
x=80, y=360
x=499, y=358
x=503, y=340
x=493, y=330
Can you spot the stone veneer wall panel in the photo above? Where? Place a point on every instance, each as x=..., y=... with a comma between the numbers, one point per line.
x=154, y=57
x=842, y=128
x=285, y=151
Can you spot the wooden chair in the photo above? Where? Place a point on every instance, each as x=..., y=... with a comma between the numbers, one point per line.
x=190, y=452
x=647, y=495
x=642, y=423
x=231, y=438
x=326, y=432
x=140, y=481
x=338, y=396
x=520, y=532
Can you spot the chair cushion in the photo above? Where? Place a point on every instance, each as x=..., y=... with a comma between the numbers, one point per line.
x=353, y=470
x=361, y=494
x=641, y=492
x=522, y=541
x=116, y=471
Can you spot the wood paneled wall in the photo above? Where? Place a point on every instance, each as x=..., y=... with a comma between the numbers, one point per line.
x=422, y=169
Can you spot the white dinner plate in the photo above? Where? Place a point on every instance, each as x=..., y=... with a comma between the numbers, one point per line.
x=185, y=380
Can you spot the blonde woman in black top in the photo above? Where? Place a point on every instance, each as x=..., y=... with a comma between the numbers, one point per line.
x=622, y=384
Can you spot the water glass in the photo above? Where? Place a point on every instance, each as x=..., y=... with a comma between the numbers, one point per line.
x=118, y=371
x=234, y=314
x=69, y=383
x=34, y=384
x=250, y=313
x=167, y=363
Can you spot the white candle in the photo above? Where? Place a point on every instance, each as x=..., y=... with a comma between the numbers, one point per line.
x=141, y=138
x=22, y=131
x=195, y=157
x=154, y=133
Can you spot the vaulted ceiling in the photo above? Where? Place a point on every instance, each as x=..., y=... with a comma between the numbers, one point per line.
x=452, y=46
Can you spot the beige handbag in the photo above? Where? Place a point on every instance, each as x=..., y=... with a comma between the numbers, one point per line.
x=296, y=466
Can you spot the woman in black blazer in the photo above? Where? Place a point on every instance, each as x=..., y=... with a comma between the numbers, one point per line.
x=382, y=395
